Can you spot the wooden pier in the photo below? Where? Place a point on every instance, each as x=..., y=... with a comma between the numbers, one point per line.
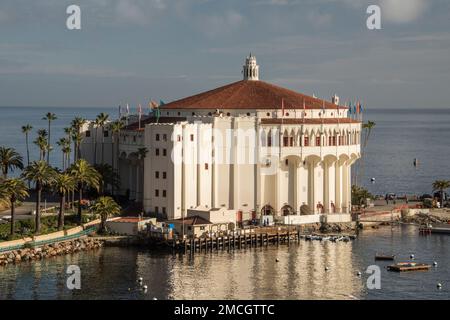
x=232, y=242
x=251, y=238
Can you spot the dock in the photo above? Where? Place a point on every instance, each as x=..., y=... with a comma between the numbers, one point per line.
x=258, y=237
x=444, y=229
x=384, y=257
x=409, y=266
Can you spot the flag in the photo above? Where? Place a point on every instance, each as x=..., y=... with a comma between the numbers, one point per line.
x=150, y=106
x=153, y=104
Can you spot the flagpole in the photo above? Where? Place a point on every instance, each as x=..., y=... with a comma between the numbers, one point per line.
x=139, y=115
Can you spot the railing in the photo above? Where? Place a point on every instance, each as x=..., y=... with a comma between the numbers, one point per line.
x=44, y=242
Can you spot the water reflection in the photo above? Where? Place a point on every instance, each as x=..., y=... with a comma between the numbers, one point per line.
x=255, y=274
x=112, y=273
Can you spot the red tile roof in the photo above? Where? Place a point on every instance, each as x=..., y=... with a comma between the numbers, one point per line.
x=194, y=220
x=247, y=94
x=309, y=121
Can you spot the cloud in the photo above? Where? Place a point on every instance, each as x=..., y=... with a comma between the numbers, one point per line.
x=138, y=12
x=318, y=19
x=214, y=25
x=130, y=12
x=402, y=11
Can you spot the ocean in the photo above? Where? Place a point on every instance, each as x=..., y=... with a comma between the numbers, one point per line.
x=400, y=136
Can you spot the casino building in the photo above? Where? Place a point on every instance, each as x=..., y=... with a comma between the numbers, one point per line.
x=249, y=146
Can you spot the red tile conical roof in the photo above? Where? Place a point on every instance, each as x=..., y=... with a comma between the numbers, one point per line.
x=248, y=94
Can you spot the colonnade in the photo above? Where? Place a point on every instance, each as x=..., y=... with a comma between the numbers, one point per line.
x=322, y=184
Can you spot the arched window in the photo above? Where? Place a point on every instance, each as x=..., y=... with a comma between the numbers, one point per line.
x=285, y=139
x=267, y=210
x=287, y=210
x=306, y=143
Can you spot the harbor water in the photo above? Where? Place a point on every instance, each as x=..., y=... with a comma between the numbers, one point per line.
x=300, y=273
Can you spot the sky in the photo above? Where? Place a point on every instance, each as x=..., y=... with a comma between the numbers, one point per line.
x=131, y=51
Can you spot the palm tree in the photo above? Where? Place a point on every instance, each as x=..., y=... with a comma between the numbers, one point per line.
x=63, y=184
x=105, y=206
x=26, y=130
x=102, y=118
x=95, y=125
x=142, y=152
x=13, y=190
x=441, y=185
x=42, y=133
x=42, y=175
x=69, y=132
x=77, y=124
x=64, y=144
x=41, y=142
x=360, y=195
x=107, y=176
x=66, y=150
x=10, y=159
x=367, y=129
x=49, y=117
x=85, y=176
x=115, y=128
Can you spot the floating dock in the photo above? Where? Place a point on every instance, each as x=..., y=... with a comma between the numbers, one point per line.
x=384, y=257
x=409, y=266
x=438, y=230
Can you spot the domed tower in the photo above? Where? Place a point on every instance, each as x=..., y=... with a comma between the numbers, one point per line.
x=251, y=69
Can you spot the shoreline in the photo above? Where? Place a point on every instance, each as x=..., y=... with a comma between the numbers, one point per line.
x=333, y=232
x=49, y=250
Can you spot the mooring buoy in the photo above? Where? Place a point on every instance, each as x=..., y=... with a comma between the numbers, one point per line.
x=411, y=256
x=435, y=264
x=439, y=286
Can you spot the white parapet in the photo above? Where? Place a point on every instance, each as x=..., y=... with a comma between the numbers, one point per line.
x=336, y=218
x=299, y=220
x=315, y=218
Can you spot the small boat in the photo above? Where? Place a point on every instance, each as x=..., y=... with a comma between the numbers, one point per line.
x=379, y=256
x=409, y=266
